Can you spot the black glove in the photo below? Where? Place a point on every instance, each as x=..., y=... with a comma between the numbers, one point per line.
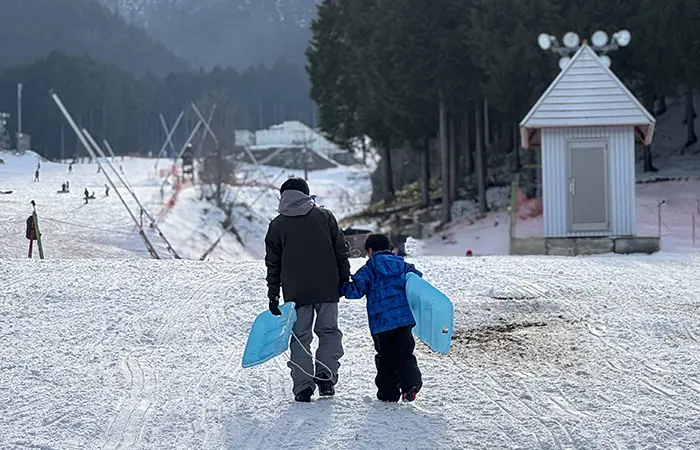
x=275, y=306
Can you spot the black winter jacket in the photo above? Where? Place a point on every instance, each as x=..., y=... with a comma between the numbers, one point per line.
x=306, y=252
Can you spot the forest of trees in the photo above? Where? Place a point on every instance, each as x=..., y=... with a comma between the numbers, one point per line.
x=123, y=108
x=458, y=75
x=228, y=33
x=30, y=29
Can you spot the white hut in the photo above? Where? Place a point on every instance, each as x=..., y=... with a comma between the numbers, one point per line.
x=586, y=124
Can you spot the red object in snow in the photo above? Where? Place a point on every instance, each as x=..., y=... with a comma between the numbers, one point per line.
x=469, y=252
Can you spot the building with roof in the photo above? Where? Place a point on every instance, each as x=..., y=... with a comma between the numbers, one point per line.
x=585, y=125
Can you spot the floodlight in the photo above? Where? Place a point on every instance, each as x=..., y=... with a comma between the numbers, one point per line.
x=623, y=38
x=545, y=41
x=599, y=38
x=606, y=60
x=571, y=40
x=563, y=62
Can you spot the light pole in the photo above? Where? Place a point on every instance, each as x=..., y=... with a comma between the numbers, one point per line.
x=4, y=138
x=600, y=43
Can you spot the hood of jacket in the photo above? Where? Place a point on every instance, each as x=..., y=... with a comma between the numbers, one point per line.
x=386, y=263
x=295, y=203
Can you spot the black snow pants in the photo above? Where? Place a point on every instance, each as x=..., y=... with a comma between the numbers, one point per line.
x=397, y=368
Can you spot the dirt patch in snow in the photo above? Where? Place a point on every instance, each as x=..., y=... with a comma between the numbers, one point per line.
x=492, y=332
x=552, y=340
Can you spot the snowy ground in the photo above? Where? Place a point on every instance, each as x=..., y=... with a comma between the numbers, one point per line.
x=104, y=229
x=550, y=353
x=490, y=235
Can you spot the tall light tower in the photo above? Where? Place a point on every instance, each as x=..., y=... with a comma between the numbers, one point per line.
x=600, y=43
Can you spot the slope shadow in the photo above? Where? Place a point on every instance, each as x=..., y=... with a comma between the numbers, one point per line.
x=387, y=425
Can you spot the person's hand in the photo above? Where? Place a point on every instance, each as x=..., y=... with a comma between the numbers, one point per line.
x=341, y=286
x=275, y=306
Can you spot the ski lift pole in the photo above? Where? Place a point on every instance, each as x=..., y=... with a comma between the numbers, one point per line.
x=169, y=138
x=184, y=147
x=131, y=191
x=83, y=140
x=111, y=152
x=37, y=233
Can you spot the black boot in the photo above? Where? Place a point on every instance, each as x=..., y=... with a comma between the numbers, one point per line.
x=410, y=395
x=392, y=398
x=325, y=388
x=305, y=395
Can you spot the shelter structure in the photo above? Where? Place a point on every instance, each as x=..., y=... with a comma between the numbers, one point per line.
x=586, y=125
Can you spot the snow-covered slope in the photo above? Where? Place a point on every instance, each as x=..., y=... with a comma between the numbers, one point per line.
x=584, y=353
x=104, y=229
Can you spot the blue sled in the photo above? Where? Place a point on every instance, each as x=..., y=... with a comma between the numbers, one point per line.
x=433, y=311
x=269, y=335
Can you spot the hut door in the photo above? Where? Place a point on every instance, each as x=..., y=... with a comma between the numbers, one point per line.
x=587, y=186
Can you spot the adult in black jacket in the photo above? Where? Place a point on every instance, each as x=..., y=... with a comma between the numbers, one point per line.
x=307, y=258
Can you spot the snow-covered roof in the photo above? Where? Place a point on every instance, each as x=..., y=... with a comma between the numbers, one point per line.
x=295, y=134
x=585, y=94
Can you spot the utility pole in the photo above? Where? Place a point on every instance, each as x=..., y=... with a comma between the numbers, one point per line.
x=19, y=109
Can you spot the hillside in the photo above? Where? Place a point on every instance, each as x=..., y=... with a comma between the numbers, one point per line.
x=32, y=29
x=232, y=33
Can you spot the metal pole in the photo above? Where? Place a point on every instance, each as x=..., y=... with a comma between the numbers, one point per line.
x=128, y=188
x=513, y=206
x=167, y=131
x=693, y=229
x=19, y=110
x=114, y=157
x=37, y=233
x=169, y=137
x=204, y=135
x=184, y=147
x=81, y=138
x=659, y=208
x=206, y=124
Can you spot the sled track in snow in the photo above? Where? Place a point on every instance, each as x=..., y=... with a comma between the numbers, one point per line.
x=519, y=413
x=648, y=376
x=126, y=429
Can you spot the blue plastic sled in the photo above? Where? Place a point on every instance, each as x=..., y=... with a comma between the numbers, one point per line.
x=269, y=335
x=433, y=311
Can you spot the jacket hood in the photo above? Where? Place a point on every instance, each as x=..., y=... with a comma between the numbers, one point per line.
x=386, y=263
x=295, y=203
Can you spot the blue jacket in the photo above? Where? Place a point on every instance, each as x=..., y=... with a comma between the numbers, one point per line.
x=383, y=281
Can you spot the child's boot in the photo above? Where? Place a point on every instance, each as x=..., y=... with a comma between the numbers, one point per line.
x=409, y=395
x=389, y=398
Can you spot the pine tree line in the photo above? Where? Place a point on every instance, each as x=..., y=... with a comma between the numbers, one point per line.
x=116, y=105
x=453, y=78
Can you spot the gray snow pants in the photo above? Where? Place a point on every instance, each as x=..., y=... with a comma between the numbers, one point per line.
x=330, y=345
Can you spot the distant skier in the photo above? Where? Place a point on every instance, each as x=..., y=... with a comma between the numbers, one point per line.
x=70, y=168
x=87, y=196
x=106, y=191
x=36, y=175
x=383, y=281
x=63, y=187
x=307, y=257
x=67, y=186
x=99, y=169
x=121, y=168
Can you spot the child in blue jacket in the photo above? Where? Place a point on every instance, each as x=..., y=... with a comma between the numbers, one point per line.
x=383, y=281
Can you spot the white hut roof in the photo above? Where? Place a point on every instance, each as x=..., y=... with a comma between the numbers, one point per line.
x=587, y=94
